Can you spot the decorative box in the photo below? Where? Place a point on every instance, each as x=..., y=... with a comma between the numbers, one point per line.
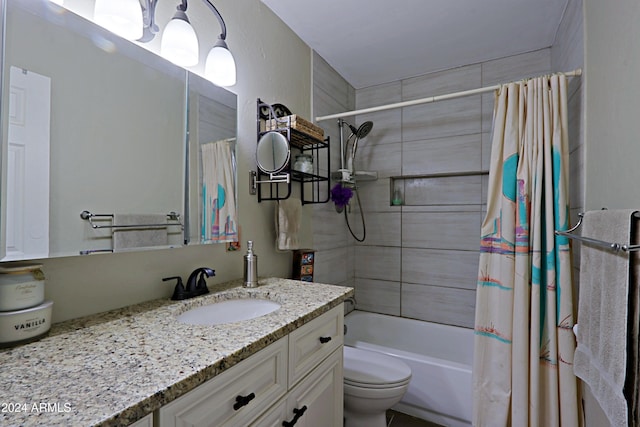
x=303, y=261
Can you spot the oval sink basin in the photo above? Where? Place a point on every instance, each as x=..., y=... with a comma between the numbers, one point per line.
x=228, y=311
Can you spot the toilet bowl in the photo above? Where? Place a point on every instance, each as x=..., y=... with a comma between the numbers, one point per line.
x=373, y=383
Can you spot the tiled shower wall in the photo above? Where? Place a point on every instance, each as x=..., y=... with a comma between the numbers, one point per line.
x=331, y=240
x=425, y=264
x=420, y=259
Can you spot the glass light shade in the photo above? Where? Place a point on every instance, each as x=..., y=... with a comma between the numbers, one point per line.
x=60, y=2
x=179, y=43
x=122, y=17
x=220, y=67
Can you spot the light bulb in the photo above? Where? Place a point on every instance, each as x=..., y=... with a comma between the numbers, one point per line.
x=121, y=17
x=220, y=67
x=179, y=42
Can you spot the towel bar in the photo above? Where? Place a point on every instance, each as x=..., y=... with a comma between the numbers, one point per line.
x=612, y=246
x=88, y=216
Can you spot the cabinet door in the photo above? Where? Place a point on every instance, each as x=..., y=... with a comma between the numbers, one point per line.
x=257, y=382
x=319, y=396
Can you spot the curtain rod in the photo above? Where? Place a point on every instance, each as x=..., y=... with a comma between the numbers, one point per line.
x=576, y=72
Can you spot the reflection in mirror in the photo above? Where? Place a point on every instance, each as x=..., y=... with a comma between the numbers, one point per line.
x=211, y=204
x=112, y=116
x=272, y=153
x=115, y=125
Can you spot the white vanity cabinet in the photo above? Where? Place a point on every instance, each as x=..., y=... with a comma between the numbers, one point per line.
x=301, y=372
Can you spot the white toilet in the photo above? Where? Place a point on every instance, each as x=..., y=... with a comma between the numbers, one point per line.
x=373, y=383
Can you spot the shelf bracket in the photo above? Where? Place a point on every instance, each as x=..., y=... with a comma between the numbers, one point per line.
x=273, y=179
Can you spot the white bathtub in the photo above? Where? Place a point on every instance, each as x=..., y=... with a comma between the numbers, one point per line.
x=440, y=358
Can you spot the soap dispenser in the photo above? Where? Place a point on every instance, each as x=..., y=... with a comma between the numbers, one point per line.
x=250, y=267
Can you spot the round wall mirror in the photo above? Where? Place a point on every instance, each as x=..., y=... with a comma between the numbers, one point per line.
x=273, y=152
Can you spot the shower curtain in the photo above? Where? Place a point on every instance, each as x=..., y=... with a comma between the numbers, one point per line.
x=522, y=374
x=219, y=215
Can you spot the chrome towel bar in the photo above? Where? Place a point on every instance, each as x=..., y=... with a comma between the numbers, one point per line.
x=88, y=216
x=612, y=246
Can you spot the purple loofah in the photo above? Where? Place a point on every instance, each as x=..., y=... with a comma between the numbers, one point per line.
x=341, y=195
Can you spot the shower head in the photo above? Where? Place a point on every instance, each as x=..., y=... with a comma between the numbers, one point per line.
x=363, y=130
x=360, y=132
x=348, y=156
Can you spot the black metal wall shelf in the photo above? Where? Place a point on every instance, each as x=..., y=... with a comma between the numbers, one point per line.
x=314, y=186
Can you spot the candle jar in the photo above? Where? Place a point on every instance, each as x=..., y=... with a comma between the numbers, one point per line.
x=303, y=163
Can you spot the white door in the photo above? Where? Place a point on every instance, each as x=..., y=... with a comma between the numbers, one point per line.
x=27, y=173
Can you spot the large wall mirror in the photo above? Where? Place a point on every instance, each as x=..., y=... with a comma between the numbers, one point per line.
x=92, y=122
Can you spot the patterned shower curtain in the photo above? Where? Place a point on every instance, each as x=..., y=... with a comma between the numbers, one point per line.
x=219, y=215
x=524, y=344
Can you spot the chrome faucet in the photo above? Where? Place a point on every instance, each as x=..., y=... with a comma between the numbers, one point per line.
x=196, y=286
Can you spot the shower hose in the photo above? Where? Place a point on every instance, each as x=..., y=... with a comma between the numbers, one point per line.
x=346, y=217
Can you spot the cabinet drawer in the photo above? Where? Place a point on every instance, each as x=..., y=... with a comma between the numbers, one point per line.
x=212, y=404
x=313, y=342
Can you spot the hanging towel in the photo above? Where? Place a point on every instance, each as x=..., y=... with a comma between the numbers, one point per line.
x=143, y=237
x=632, y=382
x=601, y=355
x=288, y=215
x=219, y=216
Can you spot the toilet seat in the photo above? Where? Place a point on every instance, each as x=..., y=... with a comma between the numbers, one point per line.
x=373, y=370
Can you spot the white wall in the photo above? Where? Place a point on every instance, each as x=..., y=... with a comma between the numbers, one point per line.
x=273, y=64
x=612, y=67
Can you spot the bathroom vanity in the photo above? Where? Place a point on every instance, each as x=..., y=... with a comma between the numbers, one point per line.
x=140, y=366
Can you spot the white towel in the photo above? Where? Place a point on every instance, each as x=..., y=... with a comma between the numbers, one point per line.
x=288, y=215
x=601, y=355
x=143, y=237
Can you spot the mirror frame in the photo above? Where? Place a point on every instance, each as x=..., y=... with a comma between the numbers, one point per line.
x=273, y=142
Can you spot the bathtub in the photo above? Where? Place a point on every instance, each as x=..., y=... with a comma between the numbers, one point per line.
x=440, y=358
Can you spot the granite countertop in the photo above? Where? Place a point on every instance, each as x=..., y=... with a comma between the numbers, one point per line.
x=114, y=368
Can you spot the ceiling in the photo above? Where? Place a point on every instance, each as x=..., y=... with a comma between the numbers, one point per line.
x=370, y=42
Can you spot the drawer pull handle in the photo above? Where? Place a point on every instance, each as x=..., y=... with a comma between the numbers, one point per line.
x=243, y=400
x=298, y=413
x=324, y=340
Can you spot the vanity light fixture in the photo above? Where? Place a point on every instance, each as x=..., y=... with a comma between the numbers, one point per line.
x=179, y=42
x=60, y=2
x=122, y=17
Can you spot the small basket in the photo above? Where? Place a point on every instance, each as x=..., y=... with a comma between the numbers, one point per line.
x=297, y=123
